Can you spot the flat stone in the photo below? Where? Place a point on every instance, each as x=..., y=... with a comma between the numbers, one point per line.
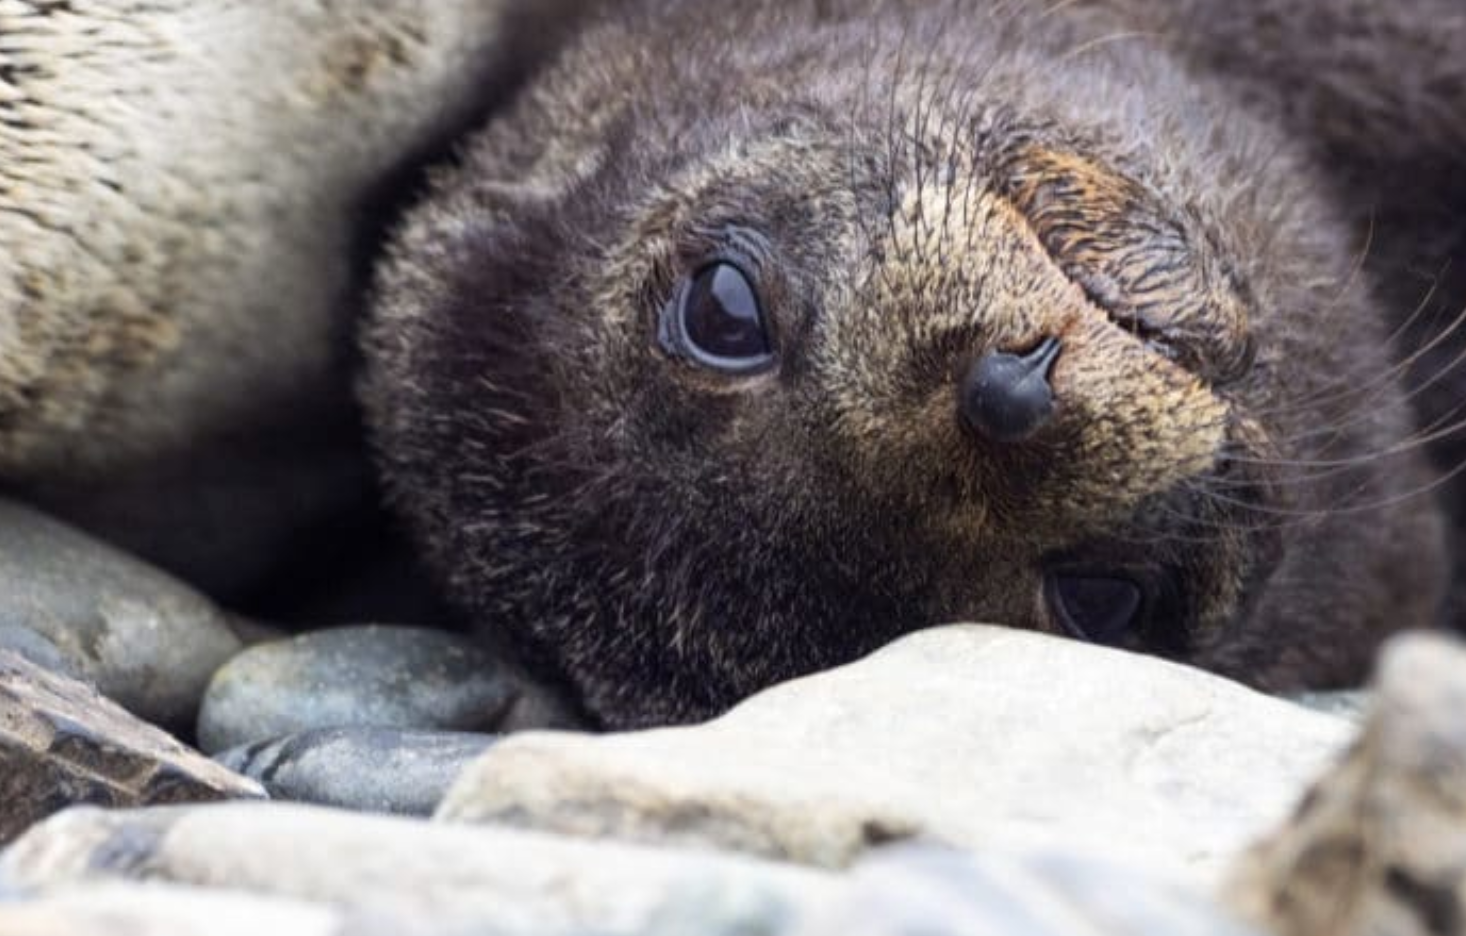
x=140, y=636
x=1378, y=846
x=440, y=879
x=924, y=891
x=61, y=743
x=975, y=736
x=165, y=910
x=369, y=676
x=388, y=770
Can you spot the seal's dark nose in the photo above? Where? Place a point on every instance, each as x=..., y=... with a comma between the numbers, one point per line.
x=1006, y=397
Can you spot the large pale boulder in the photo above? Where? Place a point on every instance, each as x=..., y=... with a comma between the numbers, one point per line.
x=167, y=910
x=985, y=738
x=448, y=880
x=291, y=870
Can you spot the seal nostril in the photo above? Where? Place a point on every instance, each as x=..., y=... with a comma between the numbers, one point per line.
x=1007, y=397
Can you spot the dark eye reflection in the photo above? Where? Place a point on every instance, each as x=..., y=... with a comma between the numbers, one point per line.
x=1103, y=608
x=718, y=322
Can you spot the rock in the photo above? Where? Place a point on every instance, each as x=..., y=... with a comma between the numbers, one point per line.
x=141, y=637
x=1352, y=704
x=1378, y=846
x=923, y=891
x=459, y=880
x=387, y=770
x=39, y=650
x=980, y=737
x=290, y=869
x=61, y=743
x=371, y=676
x=163, y=910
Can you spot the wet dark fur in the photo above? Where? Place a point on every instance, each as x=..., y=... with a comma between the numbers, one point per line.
x=1224, y=210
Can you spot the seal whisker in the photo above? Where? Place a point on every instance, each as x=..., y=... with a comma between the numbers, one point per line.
x=1342, y=392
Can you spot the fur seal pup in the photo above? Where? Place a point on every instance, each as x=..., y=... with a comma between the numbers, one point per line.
x=752, y=335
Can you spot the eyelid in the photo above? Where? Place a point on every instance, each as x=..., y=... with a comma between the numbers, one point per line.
x=749, y=243
x=741, y=245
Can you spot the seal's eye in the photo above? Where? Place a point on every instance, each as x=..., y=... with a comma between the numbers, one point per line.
x=717, y=321
x=1099, y=607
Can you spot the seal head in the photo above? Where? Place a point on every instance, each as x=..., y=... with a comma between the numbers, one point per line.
x=753, y=337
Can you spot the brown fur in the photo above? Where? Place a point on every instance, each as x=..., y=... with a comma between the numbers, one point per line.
x=918, y=184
